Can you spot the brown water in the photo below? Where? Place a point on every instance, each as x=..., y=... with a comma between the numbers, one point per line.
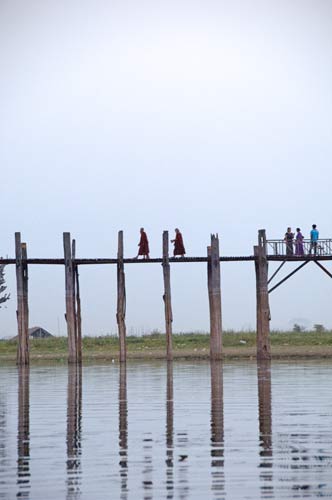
x=158, y=431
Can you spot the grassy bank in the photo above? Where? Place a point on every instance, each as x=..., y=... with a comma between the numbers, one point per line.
x=187, y=345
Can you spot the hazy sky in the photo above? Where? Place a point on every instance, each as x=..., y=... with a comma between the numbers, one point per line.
x=210, y=116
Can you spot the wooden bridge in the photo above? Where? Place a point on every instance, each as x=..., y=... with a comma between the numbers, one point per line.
x=264, y=252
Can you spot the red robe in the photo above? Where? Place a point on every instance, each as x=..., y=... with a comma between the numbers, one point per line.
x=178, y=245
x=143, y=245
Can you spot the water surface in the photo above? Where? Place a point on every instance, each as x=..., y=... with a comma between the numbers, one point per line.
x=187, y=430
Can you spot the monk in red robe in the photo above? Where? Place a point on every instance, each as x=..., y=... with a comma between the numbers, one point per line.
x=143, y=245
x=178, y=244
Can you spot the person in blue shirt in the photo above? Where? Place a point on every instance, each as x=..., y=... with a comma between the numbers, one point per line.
x=314, y=235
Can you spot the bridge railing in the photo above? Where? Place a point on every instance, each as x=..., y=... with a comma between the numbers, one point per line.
x=280, y=247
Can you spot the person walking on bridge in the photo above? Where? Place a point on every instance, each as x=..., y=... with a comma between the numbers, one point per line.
x=178, y=244
x=288, y=239
x=314, y=235
x=299, y=250
x=143, y=245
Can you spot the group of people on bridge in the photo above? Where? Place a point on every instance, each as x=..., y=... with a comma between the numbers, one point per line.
x=297, y=241
x=143, y=245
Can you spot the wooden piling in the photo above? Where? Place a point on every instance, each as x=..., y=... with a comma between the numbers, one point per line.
x=262, y=299
x=22, y=301
x=121, y=300
x=70, y=299
x=213, y=271
x=77, y=305
x=167, y=297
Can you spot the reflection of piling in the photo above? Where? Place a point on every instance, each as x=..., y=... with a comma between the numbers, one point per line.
x=22, y=301
x=265, y=422
x=23, y=434
x=123, y=430
x=74, y=430
x=169, y=432
x=262, y=298
x=121, y=300
x=167, y=296
x=214, y=298
x=265, y=406
x=217, y=427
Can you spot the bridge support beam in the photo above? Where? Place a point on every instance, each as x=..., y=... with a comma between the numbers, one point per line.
x=121, y=301
x=70, y=299
x=22, y=301
x=262, y=298
x=213, y=271
x=167, y=297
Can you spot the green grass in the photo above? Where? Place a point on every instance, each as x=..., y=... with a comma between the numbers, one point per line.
x=57, y=346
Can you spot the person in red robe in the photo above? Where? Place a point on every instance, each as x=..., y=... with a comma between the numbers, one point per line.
x=143, y=245
x=178, y=244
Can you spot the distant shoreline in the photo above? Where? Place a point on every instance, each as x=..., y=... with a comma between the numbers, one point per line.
x=189, y=346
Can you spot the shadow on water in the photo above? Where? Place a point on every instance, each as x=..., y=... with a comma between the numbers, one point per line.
x=123, y=431
x=74, y=431
x=23, y=434
x=217, y=429
x=265, y=428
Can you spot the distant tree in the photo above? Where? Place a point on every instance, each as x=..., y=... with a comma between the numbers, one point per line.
x=298, y=328
x=3, y=296
x=319, y=328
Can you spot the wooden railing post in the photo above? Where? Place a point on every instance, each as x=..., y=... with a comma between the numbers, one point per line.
x=121, y=300
x=262, y=299
x=70, y=299
x=22, y=301
x=213, y=268
x=167, y=297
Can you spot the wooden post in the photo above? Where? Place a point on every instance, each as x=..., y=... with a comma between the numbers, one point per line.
x=22, y=301
x=167, y=297
x=214, y=298
x=121, y=302
x=77, y=305
x=78, y=318
x=70, y=299
x=262, y=299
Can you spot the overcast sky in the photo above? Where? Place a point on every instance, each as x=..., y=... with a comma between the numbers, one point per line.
x=210, y=116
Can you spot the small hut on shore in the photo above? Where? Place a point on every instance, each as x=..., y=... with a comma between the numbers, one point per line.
x=37, y=332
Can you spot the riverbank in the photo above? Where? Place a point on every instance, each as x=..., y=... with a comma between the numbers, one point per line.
x=237, y=345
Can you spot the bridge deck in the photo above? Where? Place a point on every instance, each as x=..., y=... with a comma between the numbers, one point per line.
x=181, y=260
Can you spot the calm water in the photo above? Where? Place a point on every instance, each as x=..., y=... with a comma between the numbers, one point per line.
x=158, y=431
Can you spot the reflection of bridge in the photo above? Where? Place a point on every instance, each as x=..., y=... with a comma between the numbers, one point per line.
x=279, y=247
